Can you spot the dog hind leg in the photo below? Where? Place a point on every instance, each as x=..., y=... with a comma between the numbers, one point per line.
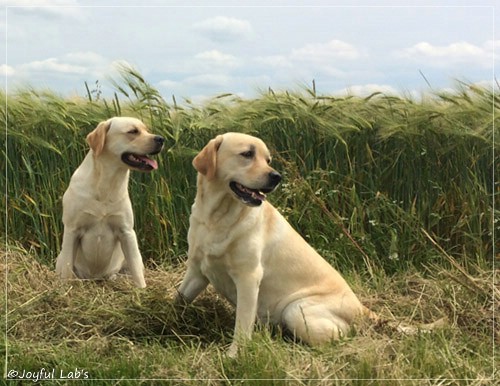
x=313, y=324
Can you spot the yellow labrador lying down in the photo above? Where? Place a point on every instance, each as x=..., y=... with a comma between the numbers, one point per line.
x=246, y=249
x=99, y=239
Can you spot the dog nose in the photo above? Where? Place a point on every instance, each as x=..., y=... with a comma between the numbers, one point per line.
x=159, y=140
x=274, y=178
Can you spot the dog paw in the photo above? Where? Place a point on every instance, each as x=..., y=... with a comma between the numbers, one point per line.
x=140, y=284
x=67, y=274
x=232, y=351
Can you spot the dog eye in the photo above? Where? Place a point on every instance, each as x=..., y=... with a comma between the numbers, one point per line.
x=134, y=131
x=269, y=161
x=247, y=154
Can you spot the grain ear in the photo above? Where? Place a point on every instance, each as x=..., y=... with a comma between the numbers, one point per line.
x=205, y=161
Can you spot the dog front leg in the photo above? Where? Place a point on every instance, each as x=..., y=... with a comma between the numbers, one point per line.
x=130, y=248
x=65, y=260
x=193, y=283
x=247, y=293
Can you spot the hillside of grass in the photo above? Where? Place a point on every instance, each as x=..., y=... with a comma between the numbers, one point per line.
x=400, y=194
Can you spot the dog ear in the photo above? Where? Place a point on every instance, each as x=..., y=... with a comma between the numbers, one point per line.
x=206, y=160
x=97, y=137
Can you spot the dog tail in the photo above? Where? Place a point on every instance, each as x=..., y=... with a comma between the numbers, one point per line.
x=405, y=328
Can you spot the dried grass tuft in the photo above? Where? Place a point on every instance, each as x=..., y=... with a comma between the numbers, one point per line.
x=43, y=308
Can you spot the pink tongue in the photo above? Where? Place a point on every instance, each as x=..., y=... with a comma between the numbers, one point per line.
x=150, y=162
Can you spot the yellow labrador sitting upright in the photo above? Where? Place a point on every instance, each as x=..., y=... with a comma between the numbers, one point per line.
x=246, y=249
x=99, y=239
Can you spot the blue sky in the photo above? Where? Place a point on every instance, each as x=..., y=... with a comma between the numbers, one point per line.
x=199, y=49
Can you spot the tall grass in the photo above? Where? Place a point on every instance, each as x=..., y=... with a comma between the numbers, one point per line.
x=380, y=168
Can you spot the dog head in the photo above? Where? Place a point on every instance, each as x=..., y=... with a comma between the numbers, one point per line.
x=240, y=163
x=129, y=140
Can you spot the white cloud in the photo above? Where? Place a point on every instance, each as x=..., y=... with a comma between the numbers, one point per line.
x=217, y=58
x=225, y=29
x=490, y=45
x=333, y=72
x=459, y=52
x=367, y=89
x=87, y=58
x=325, y=52
x=77, y=64
x=52, y=65
x=7, y=70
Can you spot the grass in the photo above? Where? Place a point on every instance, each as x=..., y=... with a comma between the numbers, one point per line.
x=401, y=195
x=114, y=331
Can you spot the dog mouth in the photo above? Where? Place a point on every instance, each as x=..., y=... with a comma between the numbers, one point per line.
x=139, y=162
x=250, y=197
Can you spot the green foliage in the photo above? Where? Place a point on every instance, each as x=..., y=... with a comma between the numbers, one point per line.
x=363, y=176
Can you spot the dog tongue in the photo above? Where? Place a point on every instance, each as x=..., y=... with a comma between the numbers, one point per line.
x=149, y=161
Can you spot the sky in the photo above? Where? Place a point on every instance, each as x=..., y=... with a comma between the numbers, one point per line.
x=200, y=49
